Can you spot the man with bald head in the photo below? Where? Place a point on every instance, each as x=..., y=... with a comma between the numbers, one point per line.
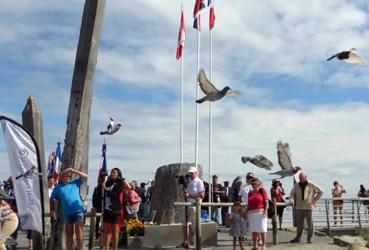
x=304, y=196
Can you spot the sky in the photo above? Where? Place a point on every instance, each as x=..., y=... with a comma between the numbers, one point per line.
x=273, y=52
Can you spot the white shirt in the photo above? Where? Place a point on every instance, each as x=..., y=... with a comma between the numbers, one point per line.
x=244, y=192
x=194, y=187
x=51, y=190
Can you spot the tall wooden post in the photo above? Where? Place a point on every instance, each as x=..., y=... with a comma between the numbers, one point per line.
x=32, y=122
x=75, y=152
x=198, y=224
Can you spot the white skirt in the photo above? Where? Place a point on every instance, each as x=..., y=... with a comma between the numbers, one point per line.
x=257, y=222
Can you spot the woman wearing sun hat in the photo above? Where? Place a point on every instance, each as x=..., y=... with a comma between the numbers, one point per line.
x=257, y=213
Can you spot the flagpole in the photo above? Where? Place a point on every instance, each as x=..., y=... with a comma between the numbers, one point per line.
x=181, y=105
x=197, y=92
x=210, y=115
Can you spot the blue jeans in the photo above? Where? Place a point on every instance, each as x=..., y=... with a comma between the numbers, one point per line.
x=73, y=218
x=216, y=215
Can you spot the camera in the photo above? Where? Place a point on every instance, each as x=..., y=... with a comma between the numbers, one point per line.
x=184, y=180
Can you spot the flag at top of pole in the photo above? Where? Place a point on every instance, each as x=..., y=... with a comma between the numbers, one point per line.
x=103, y=172
x=181, y=37
x=51, y=167
x=211, y=14
x=58, y=158
x=199, y=5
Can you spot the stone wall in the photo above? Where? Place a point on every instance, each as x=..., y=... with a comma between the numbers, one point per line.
x=167, y=191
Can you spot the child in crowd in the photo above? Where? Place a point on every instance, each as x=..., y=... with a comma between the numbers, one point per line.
x=238, y=224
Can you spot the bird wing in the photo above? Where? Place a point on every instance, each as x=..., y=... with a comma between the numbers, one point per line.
x=284, y=155
x=206, y=86
x=355, y=58
x=332, y=57
x=261, y=162
x=233, y=93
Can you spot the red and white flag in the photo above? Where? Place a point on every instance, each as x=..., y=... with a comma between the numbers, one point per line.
x=181, y=37
x=211, y=14
x=199, y=5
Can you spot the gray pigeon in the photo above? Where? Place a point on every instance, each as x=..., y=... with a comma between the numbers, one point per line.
x=212, y=94
x=349, y=56
x=284, y=160
x=259, y=161
x=112, y=128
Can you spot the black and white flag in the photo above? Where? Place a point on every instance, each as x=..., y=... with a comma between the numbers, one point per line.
x=24, y=165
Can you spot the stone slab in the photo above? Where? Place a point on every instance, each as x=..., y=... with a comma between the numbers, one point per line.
x=171, y=235
x=346, y=240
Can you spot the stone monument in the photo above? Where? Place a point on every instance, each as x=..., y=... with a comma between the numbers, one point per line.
x=167, y=191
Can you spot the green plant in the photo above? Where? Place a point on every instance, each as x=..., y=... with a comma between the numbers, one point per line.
x=364, y=233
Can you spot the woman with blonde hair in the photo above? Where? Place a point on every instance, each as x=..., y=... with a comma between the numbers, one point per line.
x=257, y=213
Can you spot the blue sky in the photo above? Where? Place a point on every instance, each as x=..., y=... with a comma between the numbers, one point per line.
x=272, y=51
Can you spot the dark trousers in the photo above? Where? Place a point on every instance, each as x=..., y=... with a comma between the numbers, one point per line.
x=302, y=214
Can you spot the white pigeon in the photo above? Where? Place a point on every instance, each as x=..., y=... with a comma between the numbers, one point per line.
x=349, y=56
x=212, y=94
x=284, y=160
x=112, y=128
x=259, y=161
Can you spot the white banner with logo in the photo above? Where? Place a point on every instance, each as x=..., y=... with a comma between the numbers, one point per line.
x=23, y=162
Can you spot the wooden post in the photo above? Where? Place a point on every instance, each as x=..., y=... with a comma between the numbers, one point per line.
x=198, y=224
x=91, y=239
x=274, y=223
x=75, y=152
x=358, y=213
x=32, y=122
x=327, y=214
x=353, y=212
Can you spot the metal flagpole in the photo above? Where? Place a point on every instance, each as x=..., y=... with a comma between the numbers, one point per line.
x=210, y=118
x=181, y=105
x=197, y=92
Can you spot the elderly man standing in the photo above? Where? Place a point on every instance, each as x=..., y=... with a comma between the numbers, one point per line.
x=304, y=196
x=67, y=192
x=195, y=189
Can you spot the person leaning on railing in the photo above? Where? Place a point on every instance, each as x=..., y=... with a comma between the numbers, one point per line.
x=304, y=196
x=363, y=193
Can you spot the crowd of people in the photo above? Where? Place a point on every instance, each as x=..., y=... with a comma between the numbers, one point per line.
x=249, y=212
x=119, y=200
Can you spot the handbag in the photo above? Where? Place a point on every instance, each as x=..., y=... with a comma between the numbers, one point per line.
x=129, y=209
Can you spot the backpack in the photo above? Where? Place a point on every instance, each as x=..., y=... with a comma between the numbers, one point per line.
x=271, y=210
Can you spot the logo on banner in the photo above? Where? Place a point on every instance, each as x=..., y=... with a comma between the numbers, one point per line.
x=23, y=153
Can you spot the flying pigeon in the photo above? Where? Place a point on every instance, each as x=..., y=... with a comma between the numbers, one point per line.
x=259, y=161
x=212, y=94
x=112, y=128
x=284, y=160
x=349, y=56
x=28, y=174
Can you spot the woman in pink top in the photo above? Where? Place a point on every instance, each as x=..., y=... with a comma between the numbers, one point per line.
x=337, y=192
x=257, y=212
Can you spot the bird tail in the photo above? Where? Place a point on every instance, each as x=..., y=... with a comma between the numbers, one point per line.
x=202, y=100
x=103, y=132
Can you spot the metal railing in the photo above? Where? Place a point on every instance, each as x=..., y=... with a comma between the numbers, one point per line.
x=326, y=216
